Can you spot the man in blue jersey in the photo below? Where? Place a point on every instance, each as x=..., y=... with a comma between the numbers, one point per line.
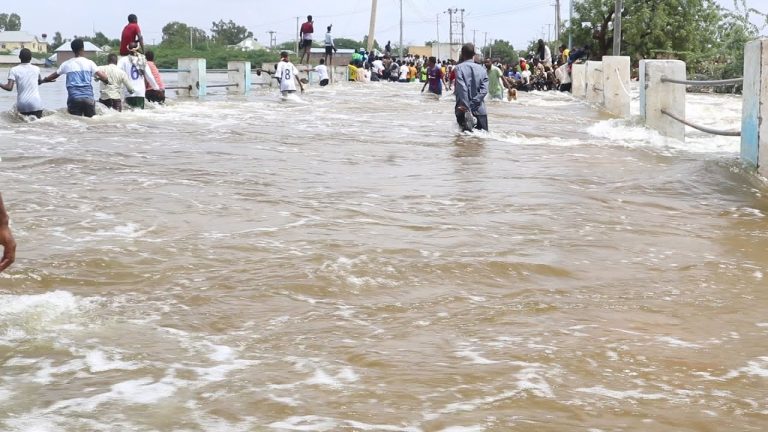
x=80, y=72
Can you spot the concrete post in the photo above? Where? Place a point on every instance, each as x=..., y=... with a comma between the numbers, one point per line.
x=239, y=72
x=595, y=92
x=579, y=80
x=339, y=74
x=656, y=95
x=616, y=85
x=754, y=118
x=192, y=74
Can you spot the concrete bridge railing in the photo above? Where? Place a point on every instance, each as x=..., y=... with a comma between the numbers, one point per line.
x=662, y=101
x=193, y=77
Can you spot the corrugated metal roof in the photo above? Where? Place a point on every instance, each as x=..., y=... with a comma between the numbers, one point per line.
x=17, y=36
x=88, y=47
x=13, y=60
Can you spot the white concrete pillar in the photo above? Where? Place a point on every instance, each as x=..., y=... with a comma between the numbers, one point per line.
x=595, y=93
x=239, y=76
x=754, y=118
x=265, y=78
x=579, y=80
x=616, y=85
x=339, y=74
x=656, y=95
x=192, y=73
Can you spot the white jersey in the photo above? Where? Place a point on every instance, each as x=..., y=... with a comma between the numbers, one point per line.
x=322, y=71
x=132, y=66
x=26, y=78
x=287, y=72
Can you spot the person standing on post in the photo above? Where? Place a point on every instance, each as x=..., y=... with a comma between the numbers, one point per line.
x=80, y=72
x=27, y=78
x=306, y=38
x=6, y=239
x=471, y=87
x=330, y=47
x=131, y=34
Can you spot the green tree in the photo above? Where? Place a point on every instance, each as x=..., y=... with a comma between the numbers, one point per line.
x=99, y=39
x=57, y=41
x=177, y=34
x=347, y=43
x=10, y=22
x=502, y=50
x=229, y=33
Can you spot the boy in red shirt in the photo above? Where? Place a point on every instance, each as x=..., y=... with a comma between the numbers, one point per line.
x=131, y=33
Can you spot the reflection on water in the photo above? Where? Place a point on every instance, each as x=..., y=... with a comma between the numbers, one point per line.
x=353, y=262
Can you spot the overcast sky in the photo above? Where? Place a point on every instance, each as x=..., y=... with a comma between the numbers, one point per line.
x=517, y=21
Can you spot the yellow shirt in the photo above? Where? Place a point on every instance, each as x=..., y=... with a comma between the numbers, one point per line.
x=352, y=72
x=566, y=53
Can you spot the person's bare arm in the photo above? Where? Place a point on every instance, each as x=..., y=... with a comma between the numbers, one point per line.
x=51, y=78
x=7, y=86
x=102, y=77
x=6, y=239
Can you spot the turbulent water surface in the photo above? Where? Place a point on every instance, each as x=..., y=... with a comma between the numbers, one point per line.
x=351, y=262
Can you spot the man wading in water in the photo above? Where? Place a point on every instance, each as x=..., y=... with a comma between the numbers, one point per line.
x=6, y=239
x=471, y=87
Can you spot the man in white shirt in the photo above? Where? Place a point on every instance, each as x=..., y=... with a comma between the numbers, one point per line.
x=111, y=94
x=26, y=76
x=287, y=75
x=135, y=66
x=322, y=71
x=404, y=73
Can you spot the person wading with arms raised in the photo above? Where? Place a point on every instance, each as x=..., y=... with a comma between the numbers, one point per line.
x=26, y=76
x=80, y=72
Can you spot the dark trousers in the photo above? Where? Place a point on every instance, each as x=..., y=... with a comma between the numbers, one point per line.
x=157, y=96
x=481, y=121
x=81, y=107
x=115, y=104
x=38, y=114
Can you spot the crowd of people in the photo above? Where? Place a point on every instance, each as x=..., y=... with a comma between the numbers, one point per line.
x=133, y=78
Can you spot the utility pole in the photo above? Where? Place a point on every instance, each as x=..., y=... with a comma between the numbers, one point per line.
x=297, y=35
x=617, y=28
x=570, y=24
x=190, y=38
x=557, y=20
x=272, y=38
x=549, y=32
x=485, y=43
x=372, y=27
x=401, y=29
x=438, y=36
x=462, y=26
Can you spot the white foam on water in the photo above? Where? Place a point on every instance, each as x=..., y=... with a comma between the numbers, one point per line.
x=24, y=316
x=474, y=357
x=668, y=340
x=476, y=428
x=757, y=367
x=618, y=394
x=143, y=391
x=98, y=361
x=306, y=423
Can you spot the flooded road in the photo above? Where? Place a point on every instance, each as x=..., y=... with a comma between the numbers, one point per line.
x=352, y=262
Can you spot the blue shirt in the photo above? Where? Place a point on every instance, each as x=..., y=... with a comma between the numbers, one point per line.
x=79, y=72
